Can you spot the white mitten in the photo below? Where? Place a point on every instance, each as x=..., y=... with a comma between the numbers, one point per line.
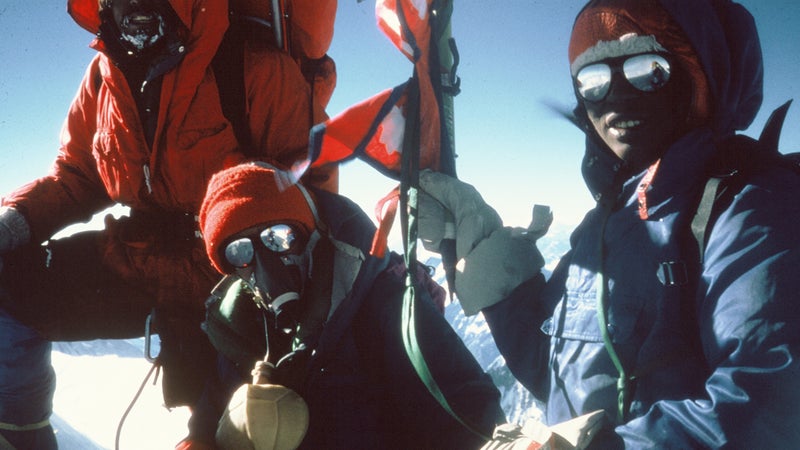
x=492, y=260
x=575, y=434
x=495, y=267
x=452, y=209
x=263, y=417
x=14, y=231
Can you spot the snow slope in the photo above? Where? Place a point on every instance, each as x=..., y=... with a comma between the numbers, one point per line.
x=96, y=382
x=98, y=379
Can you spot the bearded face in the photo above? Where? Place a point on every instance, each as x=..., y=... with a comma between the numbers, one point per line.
x=141, y=23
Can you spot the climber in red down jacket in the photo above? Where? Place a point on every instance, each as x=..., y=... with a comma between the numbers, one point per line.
x=146, y=130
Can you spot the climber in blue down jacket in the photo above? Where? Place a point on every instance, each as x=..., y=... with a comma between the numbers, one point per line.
x=678, y=342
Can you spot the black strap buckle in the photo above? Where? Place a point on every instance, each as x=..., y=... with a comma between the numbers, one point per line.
x=672, y=273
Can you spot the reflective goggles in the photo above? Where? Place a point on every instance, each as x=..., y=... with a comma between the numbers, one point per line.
x=276, y=238
x=647, y=72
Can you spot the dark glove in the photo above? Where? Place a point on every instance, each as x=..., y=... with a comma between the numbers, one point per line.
x=14, y=231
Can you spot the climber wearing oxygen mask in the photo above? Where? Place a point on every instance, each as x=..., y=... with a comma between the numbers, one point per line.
x=274, y=261
x=307, y=326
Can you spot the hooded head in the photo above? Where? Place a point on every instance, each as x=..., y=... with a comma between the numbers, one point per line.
x=204, y=22
x=714, y=42
x=86, y=13
x=639, y=83
x=712, y=45
x=138, y=27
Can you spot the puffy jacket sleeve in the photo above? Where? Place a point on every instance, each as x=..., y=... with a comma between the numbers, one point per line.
x=749, y=324
x=515, y=324
x=468, y=389
x=282, y=112
x=72, y=191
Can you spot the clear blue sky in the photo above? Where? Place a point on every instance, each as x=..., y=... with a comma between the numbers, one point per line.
x=513, y=57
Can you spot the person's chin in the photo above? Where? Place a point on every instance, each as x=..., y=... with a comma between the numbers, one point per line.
x=620, y=148
x=635, y=156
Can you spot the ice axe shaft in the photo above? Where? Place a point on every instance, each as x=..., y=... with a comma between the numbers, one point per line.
x=447, y=248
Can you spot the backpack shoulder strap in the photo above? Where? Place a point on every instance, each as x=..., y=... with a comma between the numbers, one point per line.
x=702, y=217
x=228, y=66
x=742, y=155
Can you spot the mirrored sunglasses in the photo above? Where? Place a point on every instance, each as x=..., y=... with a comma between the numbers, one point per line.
x=276, y=238
x=646, y=72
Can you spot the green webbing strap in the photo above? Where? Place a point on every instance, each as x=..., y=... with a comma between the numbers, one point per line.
x=600, y=286
x=4, y=442
x=27, y=427
x=409, y=188
x=703, y=214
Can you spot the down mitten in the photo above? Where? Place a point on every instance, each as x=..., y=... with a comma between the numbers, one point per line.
x=263, y=417
x=492, y=260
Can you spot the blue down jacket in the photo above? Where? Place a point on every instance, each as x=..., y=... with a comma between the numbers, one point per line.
x=714, y=361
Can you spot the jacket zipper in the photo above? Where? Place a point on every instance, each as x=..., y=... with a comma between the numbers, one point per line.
x=147, y=179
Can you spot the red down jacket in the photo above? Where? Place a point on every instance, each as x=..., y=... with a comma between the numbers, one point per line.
x=104, y=157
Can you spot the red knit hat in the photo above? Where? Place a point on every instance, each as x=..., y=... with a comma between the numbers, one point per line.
x=245, y=196
x=600, y=25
